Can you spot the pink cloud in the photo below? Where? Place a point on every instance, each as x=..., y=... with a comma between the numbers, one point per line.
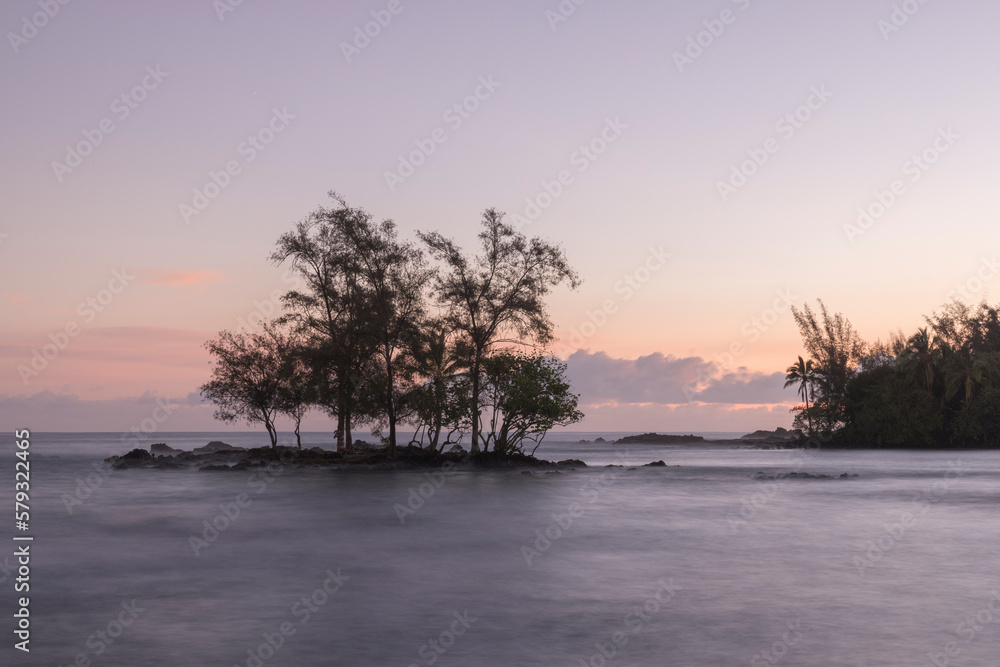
x=178, y=278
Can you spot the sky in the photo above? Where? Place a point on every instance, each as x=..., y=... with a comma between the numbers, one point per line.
x=704, y=165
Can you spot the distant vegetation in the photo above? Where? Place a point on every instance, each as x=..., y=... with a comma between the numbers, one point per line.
x=378, y=336
x=938, y=386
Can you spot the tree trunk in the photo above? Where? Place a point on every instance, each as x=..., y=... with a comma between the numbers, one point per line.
x=272, y=433
x=474, y=449
x=347, y=430
x=809, y=419
x=437, y=422
x=298, y=438
x=390, y=404
x=340, y=431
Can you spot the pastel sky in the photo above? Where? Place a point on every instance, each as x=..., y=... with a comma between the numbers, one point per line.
x=617, y=120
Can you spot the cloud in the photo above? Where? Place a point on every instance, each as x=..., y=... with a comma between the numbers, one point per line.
x=47, y=411
x=646, y=393
x=745, y=388
x=668, y=380
x=178, y=278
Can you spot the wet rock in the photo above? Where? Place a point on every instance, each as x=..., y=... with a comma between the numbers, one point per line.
x=658, y=439
x=161, y=449
x=136, y=458
x=217, y=446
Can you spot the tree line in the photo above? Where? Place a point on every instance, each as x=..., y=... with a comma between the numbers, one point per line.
x=384, y=332
x=939, y=386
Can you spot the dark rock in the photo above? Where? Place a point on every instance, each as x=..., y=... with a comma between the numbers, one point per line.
x=779, y=436
x=216, y=446
x=791, y=475
x=656, y=464
x=600, y=440
x=657, y=439
x=161, y=449
x=136, y=458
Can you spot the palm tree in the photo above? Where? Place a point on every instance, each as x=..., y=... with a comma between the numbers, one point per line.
x=437, y=360
x=802, y=373
x=964, y=370
x=922, y=356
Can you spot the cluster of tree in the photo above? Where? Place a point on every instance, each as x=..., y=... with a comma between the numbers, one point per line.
x=939, y=386
x=378, y=335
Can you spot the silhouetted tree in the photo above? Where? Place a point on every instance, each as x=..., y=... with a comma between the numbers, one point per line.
x=247, y=377
x=497, y=294
x=922, y=357
x=438, y=360
x=394, y=276
x=837, y=350
x=802, y=373
x=527, y=396
x=297, y=391
x=334, y=309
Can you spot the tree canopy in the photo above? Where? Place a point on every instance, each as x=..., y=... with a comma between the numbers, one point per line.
x=378, y=335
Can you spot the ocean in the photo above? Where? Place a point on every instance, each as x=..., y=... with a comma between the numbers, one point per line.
x=720, y=557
